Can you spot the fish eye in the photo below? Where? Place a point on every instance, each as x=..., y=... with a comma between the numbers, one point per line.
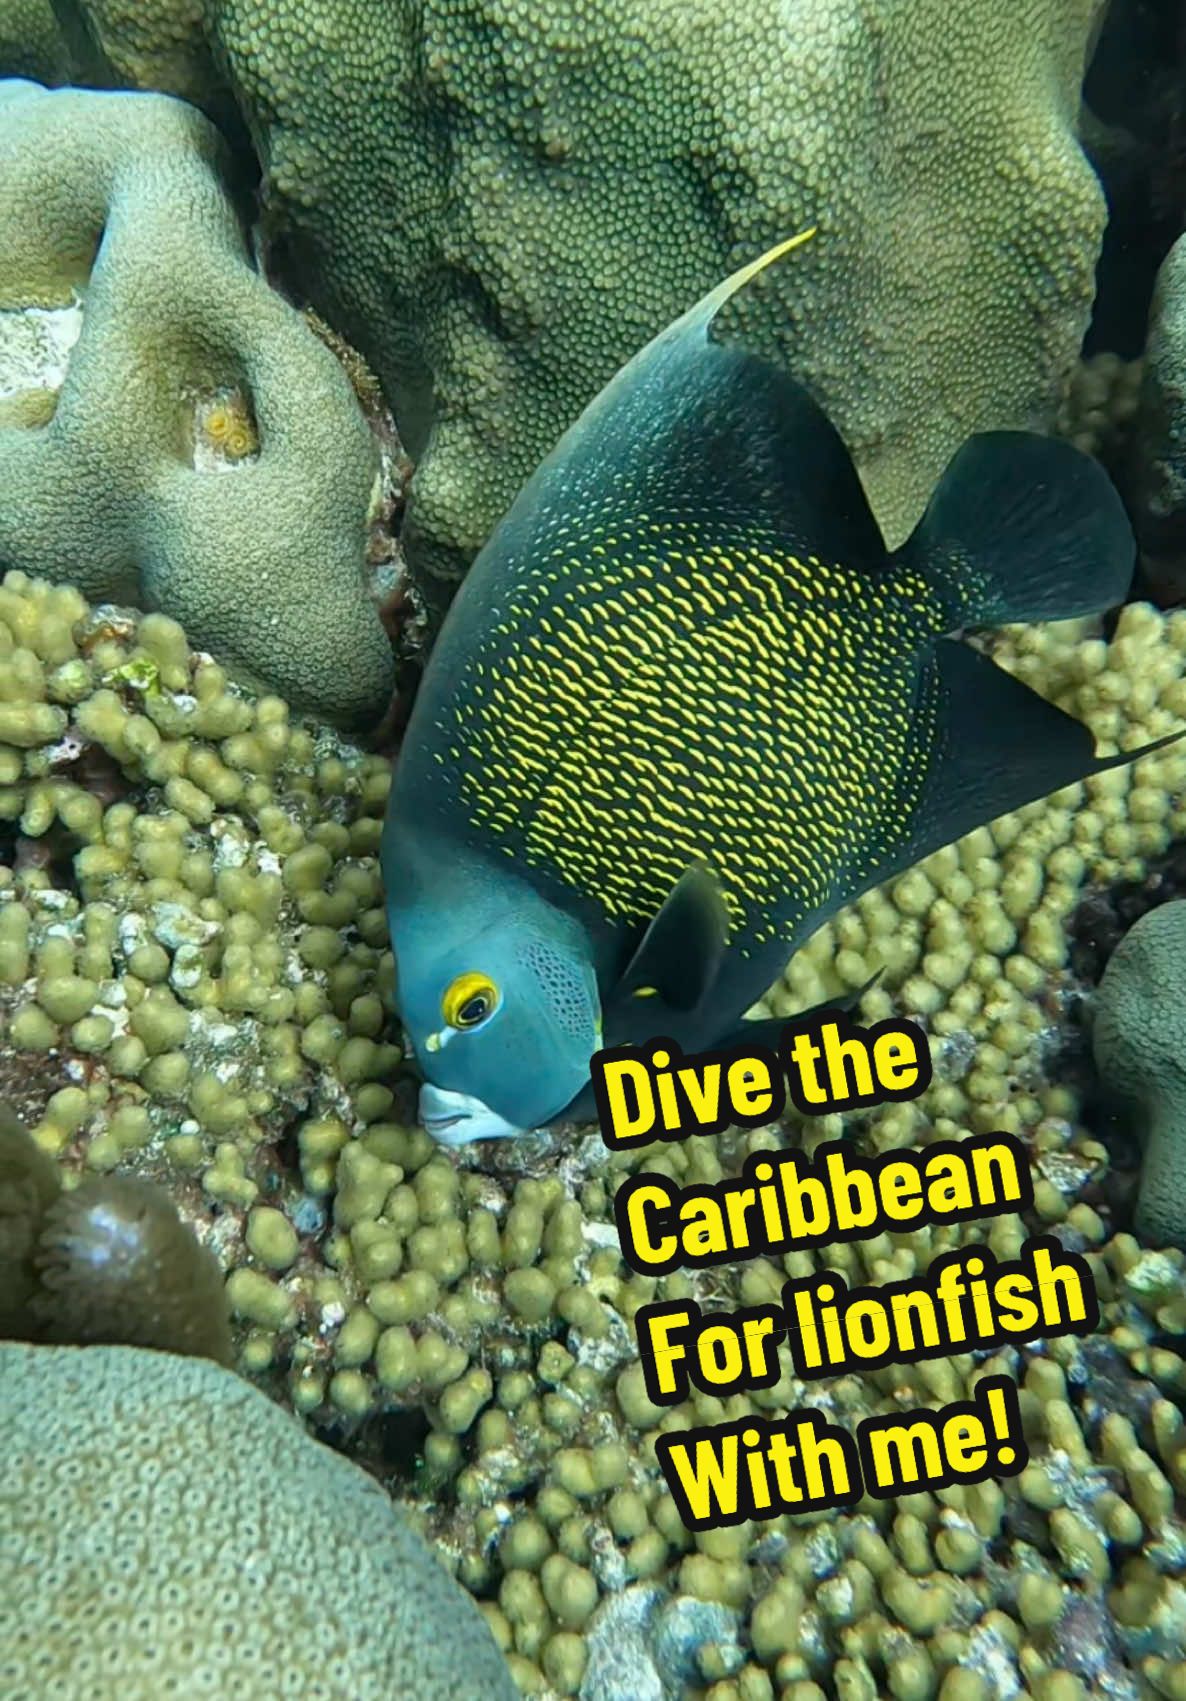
x=469, y=1000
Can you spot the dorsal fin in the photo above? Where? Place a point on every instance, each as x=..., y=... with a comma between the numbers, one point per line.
x=707, y=308
x=704, y=433
x=1022, y=528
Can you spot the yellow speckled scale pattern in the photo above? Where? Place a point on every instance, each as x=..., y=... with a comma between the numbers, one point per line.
x=651, y=699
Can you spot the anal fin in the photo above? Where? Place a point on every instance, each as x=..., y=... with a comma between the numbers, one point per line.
x=998, y=746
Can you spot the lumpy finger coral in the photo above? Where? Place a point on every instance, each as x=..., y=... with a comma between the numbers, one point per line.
x=231, y=1554
x=1140, y=1048
x=172, y=433
x=218, y=960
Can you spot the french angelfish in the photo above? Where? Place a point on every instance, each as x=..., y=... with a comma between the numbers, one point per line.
x=685, y=706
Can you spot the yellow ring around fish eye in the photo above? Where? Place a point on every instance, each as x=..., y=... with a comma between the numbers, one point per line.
x=469, y=1000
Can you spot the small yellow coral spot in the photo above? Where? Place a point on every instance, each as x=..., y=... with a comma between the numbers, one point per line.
x=226, y=426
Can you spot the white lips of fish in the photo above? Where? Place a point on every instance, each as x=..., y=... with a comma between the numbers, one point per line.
x=456, y=1119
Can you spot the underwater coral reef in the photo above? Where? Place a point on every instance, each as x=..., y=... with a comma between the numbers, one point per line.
x=498, y=205
x=307, y=1387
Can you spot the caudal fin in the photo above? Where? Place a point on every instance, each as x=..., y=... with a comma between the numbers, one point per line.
x=1022, y=528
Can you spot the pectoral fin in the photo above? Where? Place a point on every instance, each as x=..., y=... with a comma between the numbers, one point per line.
x=680, y=954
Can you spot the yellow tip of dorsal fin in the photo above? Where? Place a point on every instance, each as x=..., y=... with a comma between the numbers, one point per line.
x=716, y=299
x=742, y=277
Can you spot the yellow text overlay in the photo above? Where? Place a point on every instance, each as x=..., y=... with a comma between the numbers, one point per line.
x=801, y=1463
x=825, y=1063
x=966, y=1300
x=784, y=1200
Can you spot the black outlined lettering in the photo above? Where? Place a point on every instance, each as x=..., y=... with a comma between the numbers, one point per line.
x=965, y=1300
x=967, y=1441
x=659, y=1094
x=723, y=1353
x=829, y=1064
x=785, y=1200
x=755, y=1468
x=759, y=1469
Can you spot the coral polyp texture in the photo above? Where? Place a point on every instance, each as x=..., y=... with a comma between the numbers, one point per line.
x=262, y=1564
x=498, y=204
x=1141, y=1051
x=195, y=988
x=31, y=44
x=1156, y=470
x=172, y=433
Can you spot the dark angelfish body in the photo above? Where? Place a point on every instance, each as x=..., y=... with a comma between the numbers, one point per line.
x=686, y=706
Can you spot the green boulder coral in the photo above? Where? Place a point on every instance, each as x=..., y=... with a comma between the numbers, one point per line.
x=1140, y=1048
x=30, y=42
x=498, y=204
x=172, y=433
x=168, y=1530
x=1156, y=466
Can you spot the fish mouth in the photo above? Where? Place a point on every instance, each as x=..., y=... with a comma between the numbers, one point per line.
x=457, y=1119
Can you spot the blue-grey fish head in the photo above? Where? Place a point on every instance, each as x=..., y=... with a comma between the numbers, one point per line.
x=503, y=1015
